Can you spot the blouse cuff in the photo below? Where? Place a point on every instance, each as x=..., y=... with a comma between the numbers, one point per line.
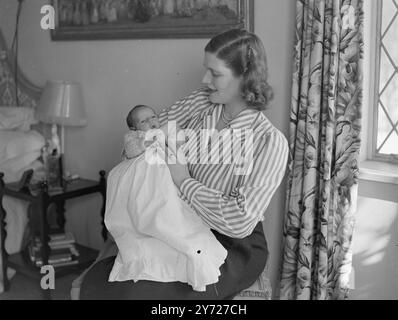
x=189, y=187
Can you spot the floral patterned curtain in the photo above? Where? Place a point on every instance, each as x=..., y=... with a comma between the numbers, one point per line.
x=324, y=140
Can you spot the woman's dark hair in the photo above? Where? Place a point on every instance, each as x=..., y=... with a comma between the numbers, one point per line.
x=244, y=53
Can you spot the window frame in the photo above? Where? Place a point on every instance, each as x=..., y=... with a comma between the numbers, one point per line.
x=375, y=50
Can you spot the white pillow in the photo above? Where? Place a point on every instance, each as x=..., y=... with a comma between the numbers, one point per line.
x=17, y=144
x=16, y=118
x=12, y=174
x=13, y=166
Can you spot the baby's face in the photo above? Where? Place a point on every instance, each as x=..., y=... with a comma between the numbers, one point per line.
x=146, y=119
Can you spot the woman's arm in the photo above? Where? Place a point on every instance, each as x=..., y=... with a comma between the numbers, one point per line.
x=236, y=216
x=186, y=108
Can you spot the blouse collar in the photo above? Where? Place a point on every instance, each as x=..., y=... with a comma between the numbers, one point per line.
x=244, y=120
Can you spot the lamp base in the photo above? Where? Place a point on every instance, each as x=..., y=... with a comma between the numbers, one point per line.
x=55, y=141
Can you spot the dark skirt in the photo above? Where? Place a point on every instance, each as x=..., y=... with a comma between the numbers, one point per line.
x=245, y=261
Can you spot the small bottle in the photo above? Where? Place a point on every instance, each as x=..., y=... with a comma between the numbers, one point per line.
x=54, y=170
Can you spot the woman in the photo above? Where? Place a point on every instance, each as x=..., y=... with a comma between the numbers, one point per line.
x=230, y=198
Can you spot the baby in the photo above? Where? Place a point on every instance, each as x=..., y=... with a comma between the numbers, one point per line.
x=139, y=120
x=142, y=118
x=159, y=236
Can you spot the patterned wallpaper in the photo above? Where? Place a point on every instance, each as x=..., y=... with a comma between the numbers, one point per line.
x=28, y=93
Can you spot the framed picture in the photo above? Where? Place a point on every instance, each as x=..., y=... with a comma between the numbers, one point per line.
x=145, y=19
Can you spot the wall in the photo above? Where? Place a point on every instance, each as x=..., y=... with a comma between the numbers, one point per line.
x=120, y=73
x=375, y=246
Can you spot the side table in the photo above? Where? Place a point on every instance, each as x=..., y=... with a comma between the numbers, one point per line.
x=39, y=199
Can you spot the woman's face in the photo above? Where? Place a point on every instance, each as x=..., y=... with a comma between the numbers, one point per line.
x=224, y=85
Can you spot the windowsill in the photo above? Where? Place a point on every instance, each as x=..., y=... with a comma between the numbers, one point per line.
x=378, y=171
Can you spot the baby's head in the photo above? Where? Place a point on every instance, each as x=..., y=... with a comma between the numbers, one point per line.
x=142, y=118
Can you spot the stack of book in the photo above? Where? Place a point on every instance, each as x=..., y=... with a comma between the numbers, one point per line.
x=63, y=250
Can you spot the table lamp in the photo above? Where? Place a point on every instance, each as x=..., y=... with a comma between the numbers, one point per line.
x=62, y=104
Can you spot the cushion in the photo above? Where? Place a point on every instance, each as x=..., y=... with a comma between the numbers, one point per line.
x=19, y=151
x=16, y=118
x=259, y=290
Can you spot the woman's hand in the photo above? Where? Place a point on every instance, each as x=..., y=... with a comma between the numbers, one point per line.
x=179, y=171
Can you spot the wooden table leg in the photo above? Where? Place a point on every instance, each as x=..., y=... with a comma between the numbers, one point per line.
x=46, y=294
x=43, y=204
x=4, y=254
x=104, y=231
x=60, y=207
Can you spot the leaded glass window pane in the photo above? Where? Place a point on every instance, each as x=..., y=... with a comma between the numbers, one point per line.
x=387, y=121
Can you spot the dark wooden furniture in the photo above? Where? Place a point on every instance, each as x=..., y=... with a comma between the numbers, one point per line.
x=40, y=198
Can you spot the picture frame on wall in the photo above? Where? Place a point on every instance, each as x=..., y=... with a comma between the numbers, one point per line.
x=146, y=19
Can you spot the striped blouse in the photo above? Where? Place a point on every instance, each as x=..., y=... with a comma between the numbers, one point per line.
x=230, y=201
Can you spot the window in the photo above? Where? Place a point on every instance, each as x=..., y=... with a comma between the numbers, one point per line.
x=385, y=106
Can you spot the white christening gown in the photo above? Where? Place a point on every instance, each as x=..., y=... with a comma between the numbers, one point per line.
x=159, y=236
